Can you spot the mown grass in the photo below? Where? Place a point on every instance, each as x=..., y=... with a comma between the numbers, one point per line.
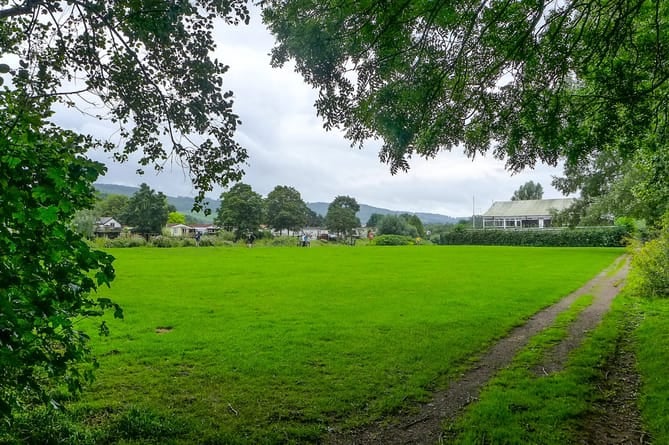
x=522, y=405
x=519, y=406
x=278, y=345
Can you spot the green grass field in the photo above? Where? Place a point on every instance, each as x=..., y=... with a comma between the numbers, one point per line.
x=276, y=345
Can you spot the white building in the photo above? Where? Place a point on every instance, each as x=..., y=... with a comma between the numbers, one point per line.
x=531, y=213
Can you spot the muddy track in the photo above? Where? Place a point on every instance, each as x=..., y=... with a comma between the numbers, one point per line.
x=425, y=426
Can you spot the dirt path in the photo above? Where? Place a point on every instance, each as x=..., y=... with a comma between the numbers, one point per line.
x=425, y=426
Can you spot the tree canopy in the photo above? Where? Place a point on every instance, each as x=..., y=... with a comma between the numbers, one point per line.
x=529, y=190
x=112, y=206
x=241, y=210
x=341, y=216
x=285, y=208
x=148, y=66
x=147, y=211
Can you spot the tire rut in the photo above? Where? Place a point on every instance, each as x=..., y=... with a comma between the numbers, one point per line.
x=425, y=426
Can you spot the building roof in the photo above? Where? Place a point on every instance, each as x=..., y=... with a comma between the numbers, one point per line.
x=530, y=207
x=105, y=219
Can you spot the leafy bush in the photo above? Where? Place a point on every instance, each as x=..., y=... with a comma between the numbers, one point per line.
x=208, y=241
x=650, y=265
x=396, y=225
x=227, y=236
x=614, y=236
x=187, y=242
x=164, y=241
x=393, y=240
x=125, y=241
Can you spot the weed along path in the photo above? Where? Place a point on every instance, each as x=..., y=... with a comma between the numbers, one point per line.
x=425, y=425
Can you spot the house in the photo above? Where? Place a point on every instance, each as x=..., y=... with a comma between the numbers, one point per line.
x=532, y=213
x=205, y=229
x=179, y=230
x=107, y=227
x=182, y=230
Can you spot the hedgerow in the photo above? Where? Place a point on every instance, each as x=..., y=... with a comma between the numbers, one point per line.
x=614, y=236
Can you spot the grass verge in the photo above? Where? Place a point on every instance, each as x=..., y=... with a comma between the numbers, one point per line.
x=652, y=350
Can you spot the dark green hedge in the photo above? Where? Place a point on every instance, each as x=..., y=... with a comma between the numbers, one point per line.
x=585, y=237
x=393, y=240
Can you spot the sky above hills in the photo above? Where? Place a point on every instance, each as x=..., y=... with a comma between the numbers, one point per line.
x=287, y=145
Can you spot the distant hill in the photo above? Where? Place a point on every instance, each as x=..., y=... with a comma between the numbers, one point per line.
x=184, y=204
x=366, y=211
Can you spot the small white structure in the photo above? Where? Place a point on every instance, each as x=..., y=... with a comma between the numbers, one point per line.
x=531, y=213
x=183, y=230
x=179, y=230
x=108, y=227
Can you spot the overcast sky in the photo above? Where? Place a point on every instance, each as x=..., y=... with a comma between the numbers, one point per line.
x=287, y=145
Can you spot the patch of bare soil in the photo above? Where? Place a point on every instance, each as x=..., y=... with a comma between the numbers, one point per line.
x=425, y=424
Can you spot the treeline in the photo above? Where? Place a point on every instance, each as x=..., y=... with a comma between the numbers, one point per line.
x=242, y=211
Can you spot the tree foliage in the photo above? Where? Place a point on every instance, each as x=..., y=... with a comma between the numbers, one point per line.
x=405, y=225
x=112, y=206
x=285, y=208
x=529, y=81
x=176, y=218
x=374, y=220
x=47, y=271
x=528, y=191
x=341, y=215
x=314, y=219
x=147, y=63
x=147, y=211
x=611, y=187
x=241, y=210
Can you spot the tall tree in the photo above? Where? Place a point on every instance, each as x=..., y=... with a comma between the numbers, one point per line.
x=147, y=211
x=529, y=81
x=527, y=191
x=341, y=216
x=112, y=206
x=285, y=208
x=147, y=63
x=241, y=210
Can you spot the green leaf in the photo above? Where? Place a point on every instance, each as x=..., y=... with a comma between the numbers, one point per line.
x=48, y=215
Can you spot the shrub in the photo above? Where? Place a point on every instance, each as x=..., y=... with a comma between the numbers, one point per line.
x=208, y=241
x=164, y=241
x=650, y=265
x=393, y=240
x=187, y=242
x=227, y=236
x=125, y=241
